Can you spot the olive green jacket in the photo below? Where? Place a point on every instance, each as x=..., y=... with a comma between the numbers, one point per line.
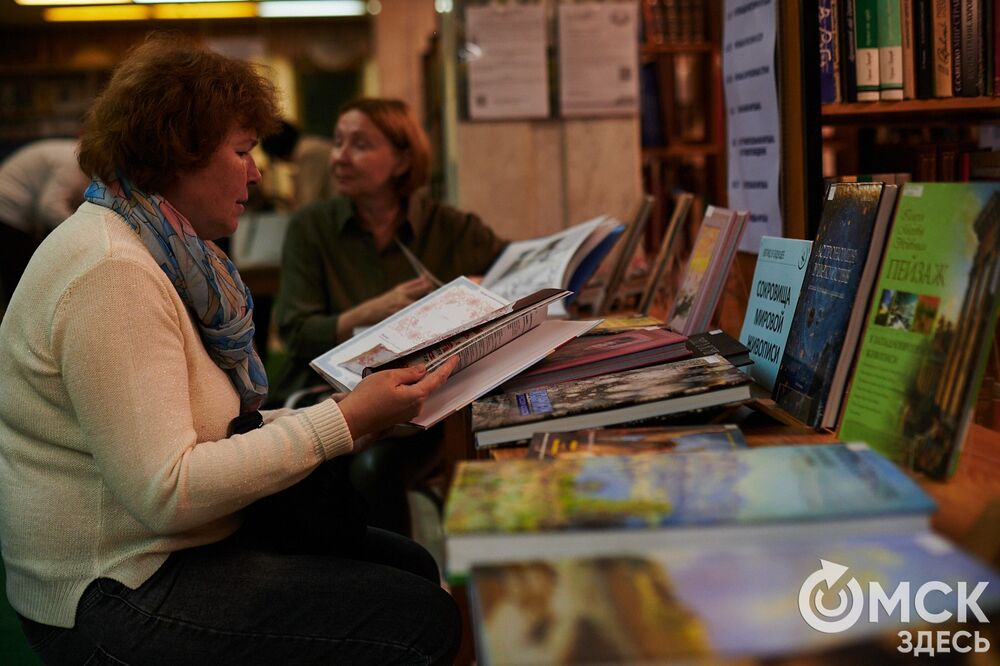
x=329, y=265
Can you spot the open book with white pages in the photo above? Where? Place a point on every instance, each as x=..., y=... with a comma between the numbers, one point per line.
x=461, y=319
x=564, y=259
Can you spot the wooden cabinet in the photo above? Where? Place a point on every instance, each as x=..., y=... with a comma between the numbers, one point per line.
x=930, y=139
x=683, y=130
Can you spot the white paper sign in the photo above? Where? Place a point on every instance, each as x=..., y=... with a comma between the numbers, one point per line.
x=753, y=127
x=598, y=59
x=508, y=77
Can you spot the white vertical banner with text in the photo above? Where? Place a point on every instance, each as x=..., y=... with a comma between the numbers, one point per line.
x=753, y=135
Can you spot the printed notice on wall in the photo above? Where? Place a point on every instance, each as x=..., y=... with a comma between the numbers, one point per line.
x=508, y=76
x=753, y=124
x=598, y=59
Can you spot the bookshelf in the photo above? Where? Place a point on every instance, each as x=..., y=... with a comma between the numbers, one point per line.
x=683, y=130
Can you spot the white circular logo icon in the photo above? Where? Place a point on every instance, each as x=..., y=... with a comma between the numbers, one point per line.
x=828, y=587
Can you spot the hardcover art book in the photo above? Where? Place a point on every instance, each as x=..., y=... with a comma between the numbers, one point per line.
x=626, y=441
x=590, y=355
x=930, y=325
x=460, y=318
x=774, y=292
x=613, y=398
x=714, y=603
x=565, y=259
x=830, y=311
x=597, y=505
x=706, y=269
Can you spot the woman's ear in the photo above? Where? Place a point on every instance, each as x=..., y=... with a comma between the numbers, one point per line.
x=403, y=163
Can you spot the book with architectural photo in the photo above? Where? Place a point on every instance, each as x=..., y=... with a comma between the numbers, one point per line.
x=932, y=317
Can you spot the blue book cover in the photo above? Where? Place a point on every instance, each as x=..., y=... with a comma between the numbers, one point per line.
x=831, y=290
x=829, y=59
x=774, y=292
x=737, y=600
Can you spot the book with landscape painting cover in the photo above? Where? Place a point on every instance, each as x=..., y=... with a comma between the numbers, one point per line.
x=706, y=269
x=720, y=602
x=624, y=441
x=830, y=312
x=931, y=322
x=609, y=399
x=572, y=506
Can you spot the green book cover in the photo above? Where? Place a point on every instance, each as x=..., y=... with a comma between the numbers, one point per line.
x=933, y=313
x=890, y=50
x=866, y=46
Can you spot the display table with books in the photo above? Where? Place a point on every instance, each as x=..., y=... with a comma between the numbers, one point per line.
x=682, y=617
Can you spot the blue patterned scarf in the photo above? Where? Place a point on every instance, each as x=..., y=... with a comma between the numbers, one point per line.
x=203, y=275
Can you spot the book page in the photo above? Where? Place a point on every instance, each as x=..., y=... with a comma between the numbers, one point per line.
x=529, y=265
x=459, y=303
x=494, y=369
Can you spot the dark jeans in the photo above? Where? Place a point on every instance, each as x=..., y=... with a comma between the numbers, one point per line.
x=240, y=602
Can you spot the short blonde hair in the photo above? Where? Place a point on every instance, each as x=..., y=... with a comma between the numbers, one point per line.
x=396, y=120
x=169, y=105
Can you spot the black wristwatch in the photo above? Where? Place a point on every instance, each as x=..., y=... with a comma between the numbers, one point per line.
x=244, y=423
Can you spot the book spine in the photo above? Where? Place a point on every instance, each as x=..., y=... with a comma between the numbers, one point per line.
x=972, y=38
x=866, y=49
x=890, y=50
x=908, y=63
x=847, y=50
x=955, y=20
x=923, y=48
x=829, y=85
x=987, y=46
x=995, y=46
x=941, y=34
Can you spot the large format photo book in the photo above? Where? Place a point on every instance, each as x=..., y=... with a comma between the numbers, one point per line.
x=620, y=397
x=825, y=328
x=461, y=318
x=717, y=603
x=580, y=506
x=932, y=318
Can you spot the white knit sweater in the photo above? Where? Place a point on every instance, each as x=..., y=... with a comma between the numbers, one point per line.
x=112, y=424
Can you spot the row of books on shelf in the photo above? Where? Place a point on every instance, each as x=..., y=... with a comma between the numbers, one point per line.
x=907, y=49
x=673, y=21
